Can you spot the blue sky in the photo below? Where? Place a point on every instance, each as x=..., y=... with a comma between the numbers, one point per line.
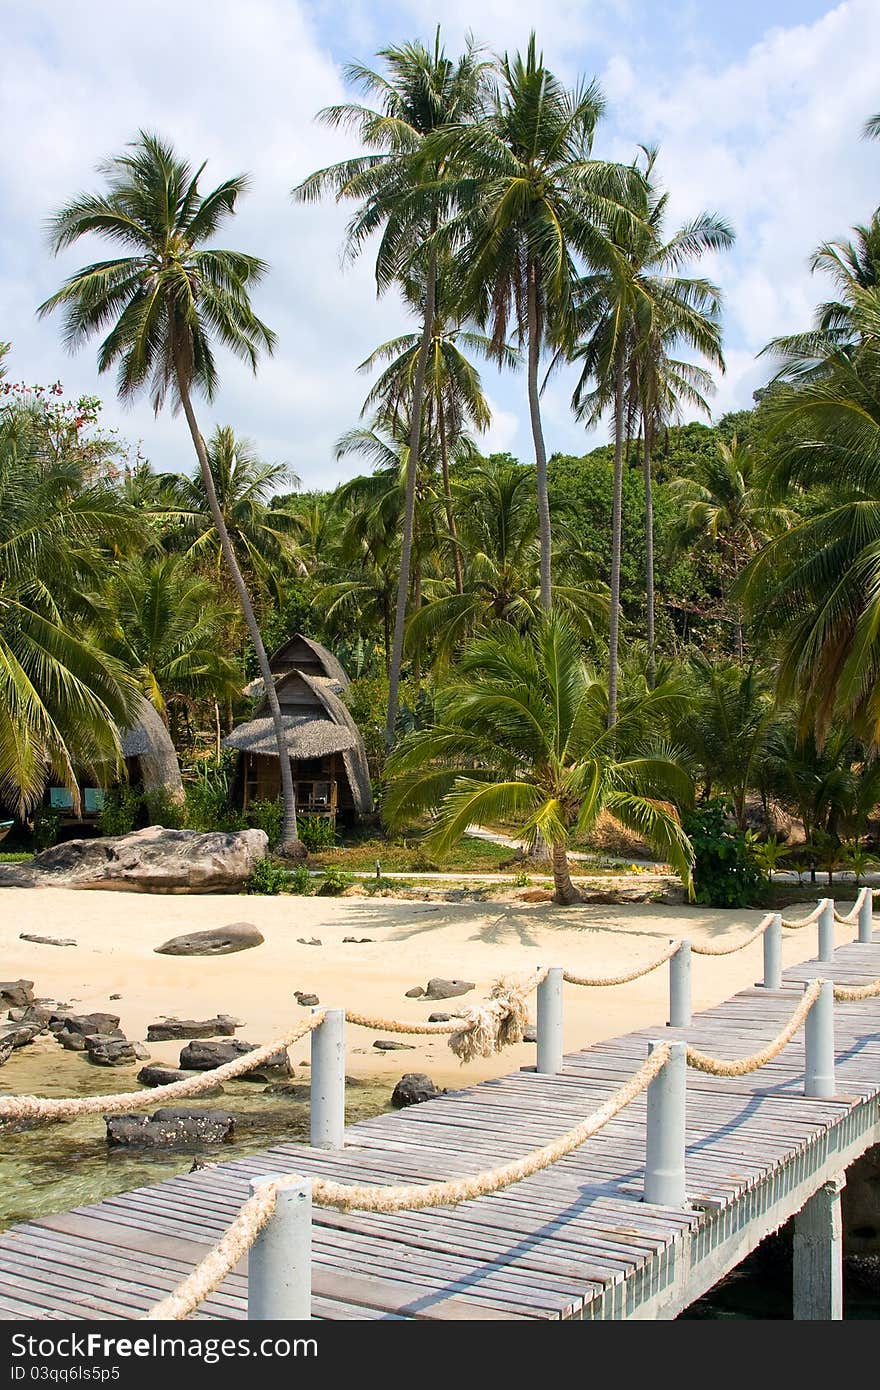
x=757, y=108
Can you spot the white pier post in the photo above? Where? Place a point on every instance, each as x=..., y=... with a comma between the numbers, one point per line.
x=680, y=986
x=819, y=1038
x=280, y=1259
x=665, y=1135
x=866, y=917
x=826, y=930
x=328, y=1081
x=818, y=1256
x=550, y=1025
x=773, y=953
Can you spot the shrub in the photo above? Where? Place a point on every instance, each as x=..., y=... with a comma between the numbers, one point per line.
x=162, y=809
x=316, y=832
x=300, y=881
x=207, y=796
x=268, y=816
x=47, y=824
x=725, y=871
x=122, y=811
x=267, y=878
x=333, y=883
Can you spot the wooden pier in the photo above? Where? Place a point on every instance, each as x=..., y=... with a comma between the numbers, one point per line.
x=576, y=1241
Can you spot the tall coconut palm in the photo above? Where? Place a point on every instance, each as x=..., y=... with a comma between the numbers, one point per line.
x=521, y=735
x=166, y=303
x=535, y=201
x=630, y=318
x=398, y=186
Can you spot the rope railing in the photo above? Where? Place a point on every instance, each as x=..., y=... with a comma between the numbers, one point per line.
x=595, y=982
x=708, y=949
x=741, y=1066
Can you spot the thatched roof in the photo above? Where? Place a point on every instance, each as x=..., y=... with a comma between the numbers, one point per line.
x=284, y=659
x=305, y=738
x=148, y=740
x=355, y=758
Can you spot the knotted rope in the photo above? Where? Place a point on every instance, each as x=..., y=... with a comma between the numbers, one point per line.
x=709, y=950
x=716, y=1066
x=497, y=1022
x=597, y=981
x=255, y=1212
x=68, y=1108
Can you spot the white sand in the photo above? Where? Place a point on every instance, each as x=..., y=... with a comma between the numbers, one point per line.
x=116, y=933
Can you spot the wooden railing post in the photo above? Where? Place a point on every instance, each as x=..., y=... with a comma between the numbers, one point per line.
x=280, y=1259
x=328, y=1081
x=773, y=953
x=819, y=1039
x=665, y=1135
x=680, y=986
x=866, y=917
x=826, y=930
x=550, y=1023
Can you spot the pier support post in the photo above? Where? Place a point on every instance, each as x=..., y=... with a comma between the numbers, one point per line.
x=680, y=986
x=818, y=1256
x=866, y=917
x=819, y=1039
x=550, y=1023
x=280, y=1259
x=328, y=1081
x=826, y=930
x=773, y=953
x=665, y=1134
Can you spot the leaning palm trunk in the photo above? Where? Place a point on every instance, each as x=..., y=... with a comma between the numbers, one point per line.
x=412, y=464
x=447, y=501
x=616, y=536
x=290, y=841
x=538, y=437
x=649, y=553
x=565, y=892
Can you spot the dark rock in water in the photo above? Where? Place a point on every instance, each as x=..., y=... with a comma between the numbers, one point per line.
x=91, y=1023
x=20, y=1034
x=447, y=989
x=33, y=1013
x=16, y=994
x=413, y=1089
x=171, y=1029
x=142, y=1053
x=74, y=1042
x=530, y=1034
x=205, y=1056
x=415, y=993
x=109, y=1052
x=153, y=860
x=164, y=1076
x=439, y=1018
x=306, y=1000
x=47, y=940
x=169, y=1128
x=6, y=1050
x=217, y=941
x=387, y=1045
x=288, y=1090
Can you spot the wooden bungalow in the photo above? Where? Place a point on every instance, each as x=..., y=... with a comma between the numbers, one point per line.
x=324, y=744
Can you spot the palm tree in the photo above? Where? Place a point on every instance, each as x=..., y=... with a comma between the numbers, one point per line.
x=166, y=304
x=263, y=537
x=501, y=575
x=63, y=698
x=726, y=726
x=521, y=735
x=723, y=505
x=398, y=186
x=535, y=201
x=631, y=315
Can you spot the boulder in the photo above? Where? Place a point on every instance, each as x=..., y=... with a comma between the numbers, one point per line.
x=415, y=993
x=47, y=940
x=171, y=1029
x=19, y=1034
x=164, y=1076
x=439, y=1018
x=6, y=1050
x=16, y=994
x=109, y=1052
x=74, y=1042
x=171, y=1127
x=205, y=1056
x=90, y=1023
x=307, y=1001
x=34, y=1013
x=217, y=941
x=447, y=989
x=153, y=860
x=289, y=1090
x=389, y=1045
x=413, y=1089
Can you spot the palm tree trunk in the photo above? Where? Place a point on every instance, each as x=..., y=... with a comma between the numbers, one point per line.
x=616, y=533
x=565, y=892
x=290, y=841
x=412, y=464
x=649, y=553
x=447, y=499
x=538, y=436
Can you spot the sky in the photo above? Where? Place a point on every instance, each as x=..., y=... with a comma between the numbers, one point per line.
x=757, y=108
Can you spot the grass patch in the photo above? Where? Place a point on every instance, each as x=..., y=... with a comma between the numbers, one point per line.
x=16, y=856
x=357, y=852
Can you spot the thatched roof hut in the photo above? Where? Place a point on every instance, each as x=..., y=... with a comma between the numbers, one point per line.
x=323, y=741
x=150, y=754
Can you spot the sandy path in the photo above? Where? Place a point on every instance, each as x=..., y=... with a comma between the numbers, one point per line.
x=116, y=933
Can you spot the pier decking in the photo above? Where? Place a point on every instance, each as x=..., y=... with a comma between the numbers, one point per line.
x=576, y=1241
